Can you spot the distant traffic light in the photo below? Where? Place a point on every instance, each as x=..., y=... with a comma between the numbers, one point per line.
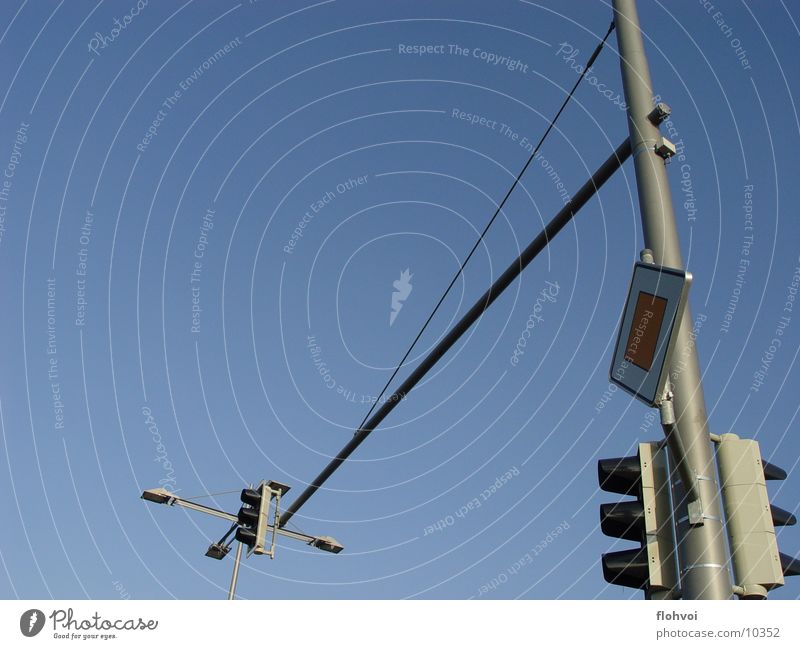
x=757, y=563
x=646, y=520
x=253, y=517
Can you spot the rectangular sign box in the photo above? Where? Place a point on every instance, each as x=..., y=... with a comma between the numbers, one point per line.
x=650, y=322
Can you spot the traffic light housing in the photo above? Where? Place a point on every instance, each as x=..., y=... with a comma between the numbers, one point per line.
x=758, y=565
x=646, y=520
x=252, y=517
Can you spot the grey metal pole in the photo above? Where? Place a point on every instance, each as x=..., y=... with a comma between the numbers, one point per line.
x=703, y=554
x=235, y=576
x=542, y=240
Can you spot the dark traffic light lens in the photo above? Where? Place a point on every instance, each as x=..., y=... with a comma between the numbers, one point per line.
x=623, y=520
x=248, y=537
x=620, y=475
x=251, y=497
x=781, y=517
x=627, y=568
x=248, y=516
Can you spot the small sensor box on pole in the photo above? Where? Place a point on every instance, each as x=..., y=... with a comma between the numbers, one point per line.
x=647, y=333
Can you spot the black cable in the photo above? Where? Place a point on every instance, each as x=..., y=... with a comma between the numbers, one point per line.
x=588, y=65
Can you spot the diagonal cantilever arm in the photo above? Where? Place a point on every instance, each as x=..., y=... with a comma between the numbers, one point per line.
x=564, y=216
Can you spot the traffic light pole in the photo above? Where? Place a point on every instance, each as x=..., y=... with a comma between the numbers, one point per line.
x=235, y=576
x=702, y=551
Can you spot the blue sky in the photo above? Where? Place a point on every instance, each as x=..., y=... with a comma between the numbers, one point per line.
x=208, y=207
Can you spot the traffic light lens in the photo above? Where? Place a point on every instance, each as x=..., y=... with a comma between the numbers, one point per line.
x=780, y=517
x=627, y=568
x=623, y=520
x=620, y=475
x=251, y=497
x=248, y=537
x=248, y=516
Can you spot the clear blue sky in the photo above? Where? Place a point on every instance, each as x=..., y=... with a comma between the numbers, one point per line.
x=273, y=114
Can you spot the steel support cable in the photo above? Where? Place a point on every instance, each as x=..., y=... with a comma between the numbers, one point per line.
x=482, y=235
x=552, y=228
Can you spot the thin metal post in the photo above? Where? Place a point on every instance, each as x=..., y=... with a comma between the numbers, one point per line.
x=702, y=551
x=564, y=216
x=235, y=576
